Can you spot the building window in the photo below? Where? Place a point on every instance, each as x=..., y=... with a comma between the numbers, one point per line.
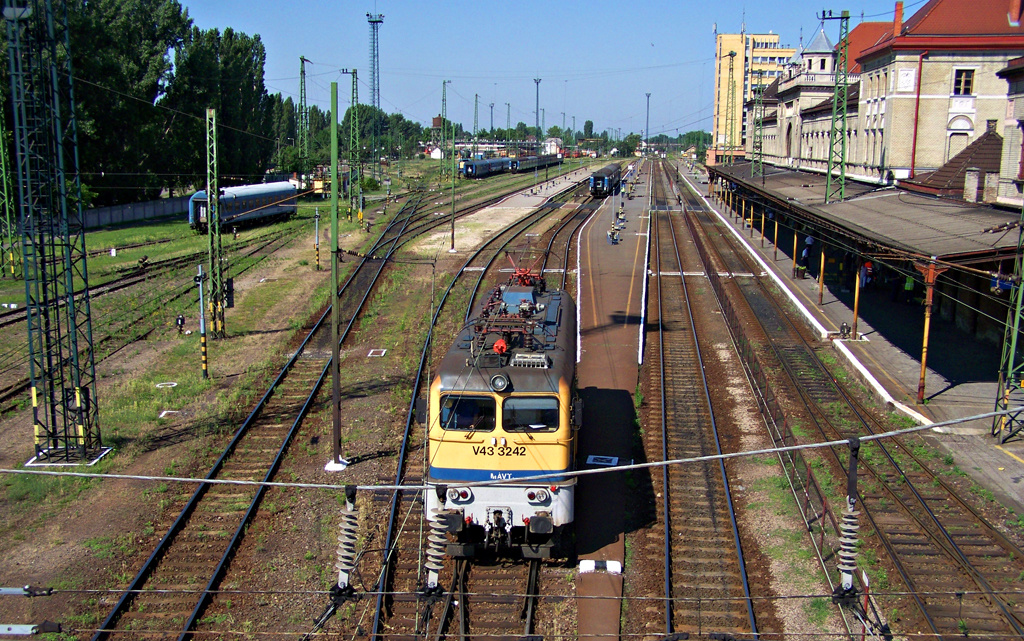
x=963, y=82
x=822, y=64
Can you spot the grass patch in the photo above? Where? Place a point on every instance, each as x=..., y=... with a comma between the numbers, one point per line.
x=817, y=610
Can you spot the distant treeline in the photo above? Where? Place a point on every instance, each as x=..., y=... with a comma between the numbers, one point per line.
x=145, y=75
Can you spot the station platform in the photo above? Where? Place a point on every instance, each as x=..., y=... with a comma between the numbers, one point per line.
x=960, y=380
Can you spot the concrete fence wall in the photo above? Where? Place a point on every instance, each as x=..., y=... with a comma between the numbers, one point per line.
x=120, y=214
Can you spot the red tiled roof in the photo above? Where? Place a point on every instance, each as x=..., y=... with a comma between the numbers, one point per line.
x=957, y=25
x=862, y=37
x=963, y=18
x=948, y=180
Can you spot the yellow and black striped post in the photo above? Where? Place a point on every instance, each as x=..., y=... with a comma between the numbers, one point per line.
x=202, y=324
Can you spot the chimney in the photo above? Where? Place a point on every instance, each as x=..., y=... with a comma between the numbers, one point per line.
x=897, y=20
x=1013, y=15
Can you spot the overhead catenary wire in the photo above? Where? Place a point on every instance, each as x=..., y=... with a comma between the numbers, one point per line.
x=537, y=477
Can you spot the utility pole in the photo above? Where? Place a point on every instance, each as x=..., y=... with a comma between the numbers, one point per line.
x=476, y=119
x=1009, y=391
x=647, y=127
x=337, y=462
x=730, y=110
x=537, y=110
x=213, y=228
x=451, y=250
x=574, y=130
x=508, y=125
x=355, y=183
x=835, y=186
x=492, y=118
x=61, y=367
x=303, y=133
x=543, y=124
x=757, y=166
x=375, y=21
x=444, y=127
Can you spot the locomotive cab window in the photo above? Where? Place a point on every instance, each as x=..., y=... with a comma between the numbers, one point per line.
x=467, y=413
x=533, y=414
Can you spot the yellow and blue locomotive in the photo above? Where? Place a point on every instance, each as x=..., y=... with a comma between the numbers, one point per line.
x=504, y=406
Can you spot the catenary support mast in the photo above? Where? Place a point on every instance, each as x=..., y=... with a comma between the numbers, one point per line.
x=62, y=369
x=835, y=176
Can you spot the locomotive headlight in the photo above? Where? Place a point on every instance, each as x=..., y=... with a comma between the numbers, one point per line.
x=459, y=494
x=537, y=495
x=500, y=382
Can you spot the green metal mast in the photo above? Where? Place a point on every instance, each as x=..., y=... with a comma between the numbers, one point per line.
x=217, y=289
x=303, y=122
x=757, y=167
x=730, y=110
x=476, y=116
x=355, y=183
x=1011, y=365
x=10, y=260
x=444, y=117
x=62, y=370
x=835, y=186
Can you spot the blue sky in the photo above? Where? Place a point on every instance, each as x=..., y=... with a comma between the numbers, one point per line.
x=596, y=59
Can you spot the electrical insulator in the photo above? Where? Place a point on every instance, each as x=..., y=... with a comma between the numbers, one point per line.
x=436, y=542
x=848, y=546
x=347, y=538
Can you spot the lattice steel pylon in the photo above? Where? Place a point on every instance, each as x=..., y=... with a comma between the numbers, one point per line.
x=218, y=290
x=1011, y=367
x=757, y=146
x=476, y=119
x=375, y=20
x=355, y=186
x=444, y=118
x=730, y=110
x=835, y=186
x=62, y=368
x=303, y=122
x=10, y=252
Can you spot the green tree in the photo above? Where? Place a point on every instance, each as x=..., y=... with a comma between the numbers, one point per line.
x=121, y=63
x=588, y=129
x=224, y=72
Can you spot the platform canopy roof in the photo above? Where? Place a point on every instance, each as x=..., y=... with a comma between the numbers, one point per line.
x=888, y=218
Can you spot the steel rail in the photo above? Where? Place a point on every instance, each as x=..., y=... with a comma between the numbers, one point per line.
x=391, y=536
x=718, y=442
x=147, y=568
x=943, y=539
x=717, y=287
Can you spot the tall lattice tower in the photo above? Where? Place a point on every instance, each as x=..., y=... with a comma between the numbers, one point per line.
x=375, y=20
x=757, y=160
x=303, y=121
x=730, y=110
x=61, y=363
x=835, y=186
x=1009, y=391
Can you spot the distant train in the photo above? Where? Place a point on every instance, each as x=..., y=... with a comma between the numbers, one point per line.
x=604, y=181
x=490, y=166
x=503, y=406
x=245, y=204
x=485, y=167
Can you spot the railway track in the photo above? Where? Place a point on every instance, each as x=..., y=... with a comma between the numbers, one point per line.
x=131, y=321
x=954, y=563
x=705, y=584
x=200, y=541
x=404, y=610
